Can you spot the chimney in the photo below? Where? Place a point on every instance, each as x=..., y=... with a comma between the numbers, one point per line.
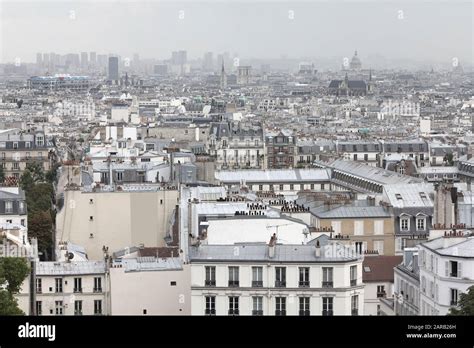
x=271, y=246
x=318, y=249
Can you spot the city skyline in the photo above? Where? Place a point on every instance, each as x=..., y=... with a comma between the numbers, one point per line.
x=396, y=30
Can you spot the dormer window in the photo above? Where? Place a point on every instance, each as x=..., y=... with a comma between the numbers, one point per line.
x=404, y=223
x=420, y=223
x=40, y=140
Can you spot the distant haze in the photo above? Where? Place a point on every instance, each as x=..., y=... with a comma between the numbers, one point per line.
x=432, y=31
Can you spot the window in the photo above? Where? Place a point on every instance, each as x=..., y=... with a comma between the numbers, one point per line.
x=336, y=226
x=144, y=312
x=39, y=285
x=280, y=277
x=59, y=285
x=322, y=187
x=281, y=187
x=77, y=284
x=311, y=186
x=328, y=306
x=8, y=207
x=327, y=277
x=16, y=165
x=15, y=145
x=97, y=306
x=234, y=276
x=97, y=284
x=358, y=228
x=22, y=222
x=39, y=307
x=454, y=269
x=27, y=144
x=58, y=307
x=257, y=277
x=257, y=308
x=210, y=305
x=77, y=307
x=454, y=297
x=404, y=223
x=291, y=186
x=304, y=306
x=260, y=187
x=172, y=283
x=378, y=227
x=39, y=140
x=353, y=271
x=280, y=306
x=420, y=224
x=381, y=291
x=304, y=277
x=355, y=305
x=210, y=276
x=233, y=305
x=119, y=176
x=378, y=246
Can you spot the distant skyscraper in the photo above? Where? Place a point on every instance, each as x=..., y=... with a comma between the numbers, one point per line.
x=93, y=58
x=102, y=60
x=84, y=59
x=179, y=57
x=39, y=59
x=208, y=62
x=113, y=69
x=46, y=59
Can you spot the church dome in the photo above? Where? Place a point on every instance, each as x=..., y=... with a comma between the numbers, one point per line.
x=355, y=62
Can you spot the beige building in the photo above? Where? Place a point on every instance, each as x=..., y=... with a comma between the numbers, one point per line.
x=150, y=286
x=134, y=215
x=367, y=228
x=66, y=288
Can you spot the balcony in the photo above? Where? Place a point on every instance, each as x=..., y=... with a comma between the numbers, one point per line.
x=77, y=290
x=210, y=283
x=328, y=284
x=77, y=312
x=233, y=283
x=280, y=284
x=453, y=274
x=353, y=282
x=453, y=303
x=97, y=290
x=280, y=313
x=382, y=294
x=210, y=312
x=304, y=313
x=328, y=313
x=257, y=283
x=355, y=311
x=233, y=312
x=303, y=284
x=257, y=312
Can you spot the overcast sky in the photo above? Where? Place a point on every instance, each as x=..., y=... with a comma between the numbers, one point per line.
x=419, y=30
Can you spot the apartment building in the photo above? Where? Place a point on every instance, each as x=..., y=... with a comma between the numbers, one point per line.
x=280, y=150
x=17, y=149
x=260, y=279
x=66, y=288
x=366, y=228
x=13, y=208
x=407, y=284
x=446, y=271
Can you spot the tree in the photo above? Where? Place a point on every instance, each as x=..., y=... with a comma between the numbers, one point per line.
x=465, y=305
x=26, y=181
x=40, y=226
x=36, y=170
x=9, y=304
x=13, y=271
x=52, y=174
x=2, y=175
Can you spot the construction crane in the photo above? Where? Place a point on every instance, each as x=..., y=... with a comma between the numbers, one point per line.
x=277, y=226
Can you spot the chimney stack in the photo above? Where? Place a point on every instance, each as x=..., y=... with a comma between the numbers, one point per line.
x=318, y=249
x=271, y=246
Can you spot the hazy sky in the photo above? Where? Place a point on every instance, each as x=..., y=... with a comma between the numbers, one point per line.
x=420, y=30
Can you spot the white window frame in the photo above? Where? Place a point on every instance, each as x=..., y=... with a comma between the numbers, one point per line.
x=423, y=219
x=379, y=227
x=402, y=219
x=358, y=227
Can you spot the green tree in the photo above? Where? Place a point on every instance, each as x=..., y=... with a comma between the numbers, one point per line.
x=9, y=304
x=26, y=181
x=465, y=305
x=36, y=170
x=51, y=175
x=2, y=175
x=13, y=271
x=40, y=226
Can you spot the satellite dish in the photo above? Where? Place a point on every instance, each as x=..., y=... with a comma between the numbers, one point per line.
x=70, y=256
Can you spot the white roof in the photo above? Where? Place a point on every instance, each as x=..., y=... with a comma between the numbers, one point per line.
x=281, y=175
x=414, y=195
